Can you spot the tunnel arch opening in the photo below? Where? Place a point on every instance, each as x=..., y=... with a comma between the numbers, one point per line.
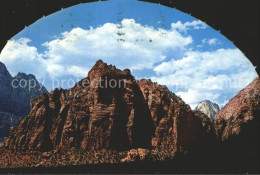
x=221, y=15
x=171, y=29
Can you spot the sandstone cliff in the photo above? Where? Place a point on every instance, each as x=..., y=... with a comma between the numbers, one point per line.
x=90, y=116
x=132, y=122
x=93, y=115
x=237, y=124
x=175, y=123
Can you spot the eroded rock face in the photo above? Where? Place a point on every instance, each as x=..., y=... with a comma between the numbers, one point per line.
x=208, y=108
x=241, y=112
x=141, y=114
x=237, y=125
x=93, y=115
x=90, y=116
x=175, y=123
x=132, y=114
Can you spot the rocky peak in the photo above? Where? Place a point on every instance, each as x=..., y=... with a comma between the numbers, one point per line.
x=36, y=88
x=4, y=72
x=15, y=101
x=101, y=68
x=91, y=115
x=208, y=108
x=24, y=76
x=140, y=115
x=94, y=116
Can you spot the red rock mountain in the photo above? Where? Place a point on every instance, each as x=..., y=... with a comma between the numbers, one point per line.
x=95, y=116
x=238, y=121
x=174, y=121
x=89, y=116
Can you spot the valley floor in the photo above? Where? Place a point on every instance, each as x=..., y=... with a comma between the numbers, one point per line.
x=133, y=161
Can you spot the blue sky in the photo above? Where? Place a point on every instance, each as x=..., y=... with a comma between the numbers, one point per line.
x=163, y=44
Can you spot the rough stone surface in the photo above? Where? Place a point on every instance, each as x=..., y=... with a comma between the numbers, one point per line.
x=141, y=121
x=90, y=116
x=241, y=114
x=15, y=101
x=100, y=121
x=208, y=108
x=93, y=116
x=237, y=126
x=174, y=121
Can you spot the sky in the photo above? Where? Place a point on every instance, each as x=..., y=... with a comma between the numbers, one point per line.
x=155, y=42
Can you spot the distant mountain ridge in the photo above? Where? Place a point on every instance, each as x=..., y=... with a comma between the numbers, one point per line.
x=208, y=108
x=15, y=101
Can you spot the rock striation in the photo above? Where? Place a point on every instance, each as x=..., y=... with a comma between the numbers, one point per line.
x=208, y=108
x=91, y=115
x=241, y=114
x=94, y=115
x=134, y=121
x=175, y=123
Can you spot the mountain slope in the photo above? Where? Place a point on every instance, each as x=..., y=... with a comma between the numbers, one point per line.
x=142, y=122
x=242, y=110
x=93, y=116
x=88, y=116
x=15, y=92
x=208, y=108
x=15, y=99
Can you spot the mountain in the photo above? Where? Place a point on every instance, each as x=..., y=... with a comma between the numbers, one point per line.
x=94, y=116
x=241, y=115
x=15, y=92
x=87, y=116
x=208, y=108
x=15, y=99
x=175, y=123
x=6, y=121
x=111, y=118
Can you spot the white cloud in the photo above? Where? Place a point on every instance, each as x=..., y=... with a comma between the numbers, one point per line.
x=127, y=45
x=206, y=75
x=204, y=62
x=184, y=27
x=195, y=77
x=194, y=96
x=78, y=71
x=19, y=56
x=212, y=41
x=223, y=104
x=114, y=42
